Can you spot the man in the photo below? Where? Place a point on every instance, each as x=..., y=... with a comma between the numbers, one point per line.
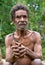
x=23, y=47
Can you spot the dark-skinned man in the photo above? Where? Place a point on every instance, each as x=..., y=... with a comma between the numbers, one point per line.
x=23, y=47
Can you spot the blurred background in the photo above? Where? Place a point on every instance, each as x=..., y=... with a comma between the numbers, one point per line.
x=36, y=20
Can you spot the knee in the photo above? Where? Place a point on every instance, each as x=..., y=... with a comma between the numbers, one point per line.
x=37, y=62
x=6, y=63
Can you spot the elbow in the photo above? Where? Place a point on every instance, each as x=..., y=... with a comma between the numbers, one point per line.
x=39, y=56
x=8, y=60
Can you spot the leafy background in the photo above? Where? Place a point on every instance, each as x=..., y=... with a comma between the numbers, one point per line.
x=36, y=20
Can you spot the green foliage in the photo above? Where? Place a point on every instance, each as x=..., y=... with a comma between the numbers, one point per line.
x=36, y=19
x=3, y=51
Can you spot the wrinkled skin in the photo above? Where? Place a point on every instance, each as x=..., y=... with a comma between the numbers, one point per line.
x=16, y=50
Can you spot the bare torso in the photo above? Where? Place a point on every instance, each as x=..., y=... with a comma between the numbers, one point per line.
x=27, y=41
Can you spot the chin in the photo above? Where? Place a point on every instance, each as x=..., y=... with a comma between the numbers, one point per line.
x=21, y=28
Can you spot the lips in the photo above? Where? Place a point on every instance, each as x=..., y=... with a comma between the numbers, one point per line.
x=22, y=23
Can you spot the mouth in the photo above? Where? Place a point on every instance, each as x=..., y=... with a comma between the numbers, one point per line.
x=22, y=24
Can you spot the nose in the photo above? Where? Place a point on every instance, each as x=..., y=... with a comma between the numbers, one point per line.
x=22, y=19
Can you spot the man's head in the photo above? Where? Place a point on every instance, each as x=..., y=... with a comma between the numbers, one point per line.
x=19, y=15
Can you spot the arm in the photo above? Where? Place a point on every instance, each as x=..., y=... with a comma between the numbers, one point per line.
x=37, y=53
x=8, y=48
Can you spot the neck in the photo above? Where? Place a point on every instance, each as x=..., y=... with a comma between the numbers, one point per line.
x=21, y=32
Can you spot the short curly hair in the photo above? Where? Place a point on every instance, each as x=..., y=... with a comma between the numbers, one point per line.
x=16, y=8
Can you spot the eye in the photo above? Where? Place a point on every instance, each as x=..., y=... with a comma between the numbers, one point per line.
x=17, y=17
x=24, y=16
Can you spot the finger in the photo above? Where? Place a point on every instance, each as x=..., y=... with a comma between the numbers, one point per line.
x=16, y=43
x=21, y=55
x=17, y=57
x=15, y=50
x=22, y=51
x=14, y=47
x=20, y=48
x=16, y=54
x=12, y=55
x=19, y=44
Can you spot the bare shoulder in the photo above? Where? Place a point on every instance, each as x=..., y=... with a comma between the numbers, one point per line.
x=35, y=35
x=8, y=39
x=9, y=36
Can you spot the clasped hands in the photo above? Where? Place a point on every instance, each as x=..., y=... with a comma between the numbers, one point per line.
x=18, y=50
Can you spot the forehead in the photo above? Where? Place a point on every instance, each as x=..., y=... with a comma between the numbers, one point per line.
x=20, y=12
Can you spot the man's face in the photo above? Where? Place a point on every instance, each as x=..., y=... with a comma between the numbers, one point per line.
x=21, y=19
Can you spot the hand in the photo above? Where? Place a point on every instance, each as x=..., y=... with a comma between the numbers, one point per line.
x=22, y=50
x=15, y=51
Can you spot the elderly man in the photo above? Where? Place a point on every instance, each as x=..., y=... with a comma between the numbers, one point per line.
x=23, y=47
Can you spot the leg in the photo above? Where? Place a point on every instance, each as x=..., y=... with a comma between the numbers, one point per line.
x=1, y=62
x=15, y=63
x=6, y=63
x=36, y=62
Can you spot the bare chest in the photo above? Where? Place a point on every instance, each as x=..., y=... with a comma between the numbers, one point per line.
x=28, y=42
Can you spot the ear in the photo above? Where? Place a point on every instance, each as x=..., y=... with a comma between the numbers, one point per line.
x=14, y=22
